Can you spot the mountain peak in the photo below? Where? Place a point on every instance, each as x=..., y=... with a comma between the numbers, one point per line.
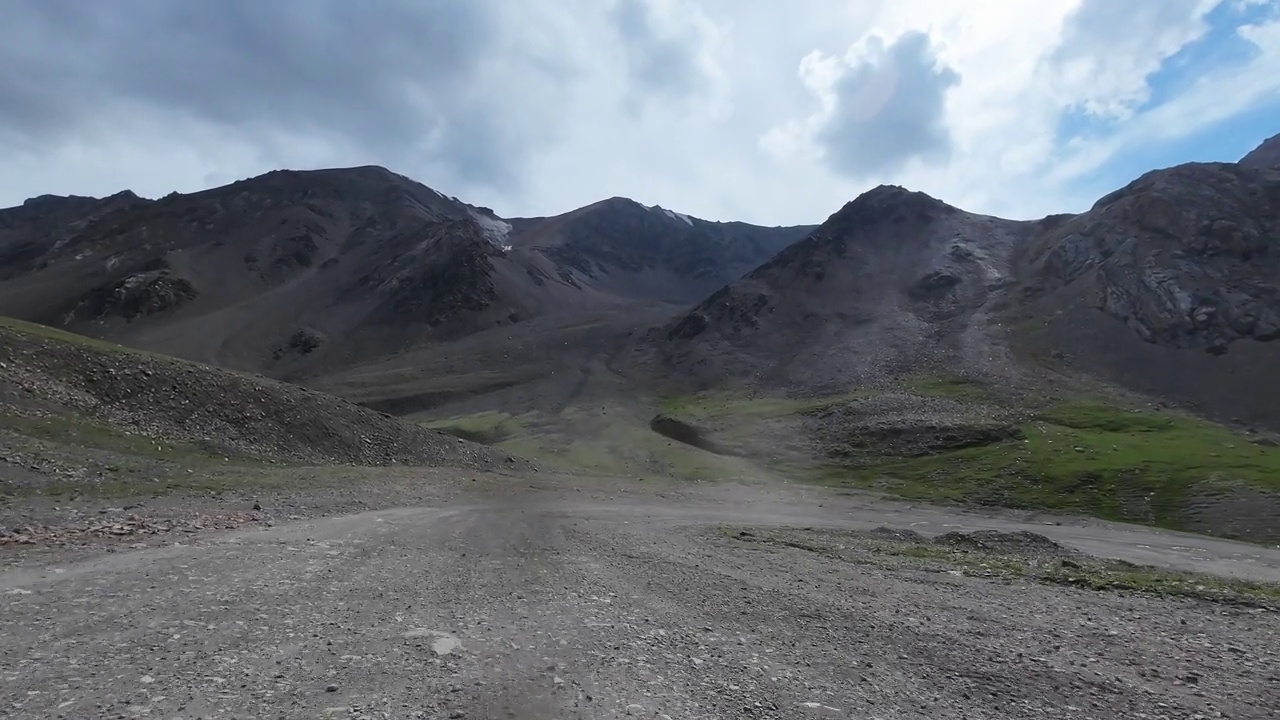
x=49, y=200
x=887, y=201
x=617, y=202
x=631, y=207
x=1266, y=155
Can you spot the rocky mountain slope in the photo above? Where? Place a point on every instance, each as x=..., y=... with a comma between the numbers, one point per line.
x=893, y=282
x=1170, y=286
x=1167, y=286
x=297, y=273
x=62, y=396
x=1264, y=157
x=950, y=356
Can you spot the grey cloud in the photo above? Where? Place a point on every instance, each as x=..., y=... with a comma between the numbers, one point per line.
x=658, y=62
x=888, y=109
x=396, y=78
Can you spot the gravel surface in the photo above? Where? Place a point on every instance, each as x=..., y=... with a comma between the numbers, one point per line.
x=612, y=601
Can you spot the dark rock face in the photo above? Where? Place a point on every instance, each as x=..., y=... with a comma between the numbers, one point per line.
x=1265, y=156
x=1185, y=257
x=138, y=295
x=437, y=278
x=302, y=342
x=291, y=255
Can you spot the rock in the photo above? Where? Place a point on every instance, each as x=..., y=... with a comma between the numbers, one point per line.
x=331, y=688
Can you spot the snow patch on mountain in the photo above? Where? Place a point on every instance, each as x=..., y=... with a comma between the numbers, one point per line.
x=494, y=229
x=674, y=215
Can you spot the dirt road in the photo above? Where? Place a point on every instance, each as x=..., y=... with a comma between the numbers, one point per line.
x=560, y=603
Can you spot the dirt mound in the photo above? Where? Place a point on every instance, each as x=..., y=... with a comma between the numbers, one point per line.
x=683, y=432
x=1021, y=542
x=57, y=375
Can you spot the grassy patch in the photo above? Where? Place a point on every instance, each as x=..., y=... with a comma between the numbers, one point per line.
x=1077, y=571
x=83, y=433
x=235, y=479
x=716, y=405
x=618, y=445
x=487, y=427
x=1086, y=458
x=1096, y=574
x=50, y=333
x=1118, y=575
x=948, y=386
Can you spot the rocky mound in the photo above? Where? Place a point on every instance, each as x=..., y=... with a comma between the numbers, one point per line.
x=1020, y=542
x=902, y=425
x=51, y=374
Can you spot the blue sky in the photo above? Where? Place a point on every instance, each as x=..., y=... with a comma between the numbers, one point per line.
x=1220, y=49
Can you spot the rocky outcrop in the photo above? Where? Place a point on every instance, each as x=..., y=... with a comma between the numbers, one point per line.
x=433, y=275
x=304, y=341
x=134, y=296
x=1185, y=257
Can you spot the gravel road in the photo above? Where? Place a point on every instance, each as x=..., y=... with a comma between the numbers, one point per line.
x=556, y=602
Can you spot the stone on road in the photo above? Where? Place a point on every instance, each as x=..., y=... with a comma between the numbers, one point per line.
x=552, y=604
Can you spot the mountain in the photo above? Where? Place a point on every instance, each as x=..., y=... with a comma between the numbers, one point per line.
x=1118, y=362
x=1168, y=286
x=894, y=281
x=650, y=253
x=296, y=274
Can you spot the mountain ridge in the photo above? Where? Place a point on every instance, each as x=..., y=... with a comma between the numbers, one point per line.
x=362, y=256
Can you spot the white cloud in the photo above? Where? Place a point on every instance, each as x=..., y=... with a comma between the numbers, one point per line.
x=1214, y=97
x=1108, y=49
x=1024, y=67
x=717, y=108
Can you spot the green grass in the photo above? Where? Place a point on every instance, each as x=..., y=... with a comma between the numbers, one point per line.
x=1085, y=572
x=717, y=405
x=947, y=386
x=84, y=433
x=49, y=333
x=159, y=481
x=487, y=427
x=1119, y=575
x=1087, y=458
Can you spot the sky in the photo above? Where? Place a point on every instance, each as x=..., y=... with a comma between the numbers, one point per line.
x=767, y=112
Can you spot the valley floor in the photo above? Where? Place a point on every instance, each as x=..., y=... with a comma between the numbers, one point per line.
x=473, y=596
